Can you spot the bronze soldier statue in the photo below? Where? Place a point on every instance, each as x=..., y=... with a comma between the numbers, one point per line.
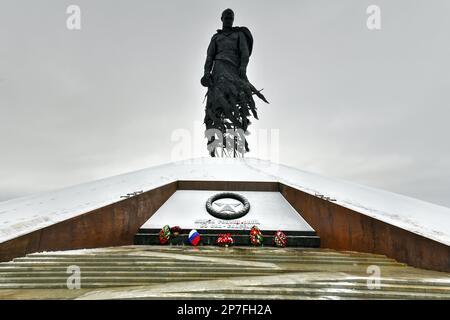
x=229, y=101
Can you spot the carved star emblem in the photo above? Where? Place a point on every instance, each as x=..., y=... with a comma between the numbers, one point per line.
x=227, y=207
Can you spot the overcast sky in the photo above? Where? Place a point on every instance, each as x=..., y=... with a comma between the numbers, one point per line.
x=370, y=107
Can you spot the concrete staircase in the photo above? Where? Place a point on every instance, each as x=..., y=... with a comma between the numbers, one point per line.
x=209, y=272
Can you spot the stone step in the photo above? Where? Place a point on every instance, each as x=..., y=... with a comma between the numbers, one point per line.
x=31, y=270
x=197, y=251
x=411, y=282
x=297, y=258
x=128, y=279
x=127, y=275
x=99, y=284
x=139, y=273
x=93, y=258
x=223, y=255
x=331, y=262
x=57, y=262
x=131, y=249
x=103, y=265
x=285, y=293
x=404, y=287
x=205, y=296
x=132, y=278
x=131, y=268
x=308, y=291
x=181, y=259
x=231, y=251
x=190, y=262
x=311, y=296
x=262, y=252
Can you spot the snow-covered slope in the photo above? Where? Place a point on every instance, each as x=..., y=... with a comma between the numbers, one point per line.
x=23, y=215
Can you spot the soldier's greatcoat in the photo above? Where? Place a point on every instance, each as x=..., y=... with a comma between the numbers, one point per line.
x=229, y=101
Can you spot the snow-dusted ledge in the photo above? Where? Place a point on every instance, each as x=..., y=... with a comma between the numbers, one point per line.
x=24, y=215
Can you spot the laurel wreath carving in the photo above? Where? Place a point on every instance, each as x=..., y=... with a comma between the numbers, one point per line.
x=228, y=216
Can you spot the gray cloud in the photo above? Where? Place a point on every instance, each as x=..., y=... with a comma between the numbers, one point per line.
x=369, y=107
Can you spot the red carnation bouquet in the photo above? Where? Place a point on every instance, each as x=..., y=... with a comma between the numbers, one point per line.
x=225, y=240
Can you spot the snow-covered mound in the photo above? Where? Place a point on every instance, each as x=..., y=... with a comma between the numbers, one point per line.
x=24, y=215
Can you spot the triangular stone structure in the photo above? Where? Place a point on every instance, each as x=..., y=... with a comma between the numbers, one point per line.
x=112, y=211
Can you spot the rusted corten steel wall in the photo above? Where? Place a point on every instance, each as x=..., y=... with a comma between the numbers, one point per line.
x=228, y=185
x=344, y=229
x=112, y=225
